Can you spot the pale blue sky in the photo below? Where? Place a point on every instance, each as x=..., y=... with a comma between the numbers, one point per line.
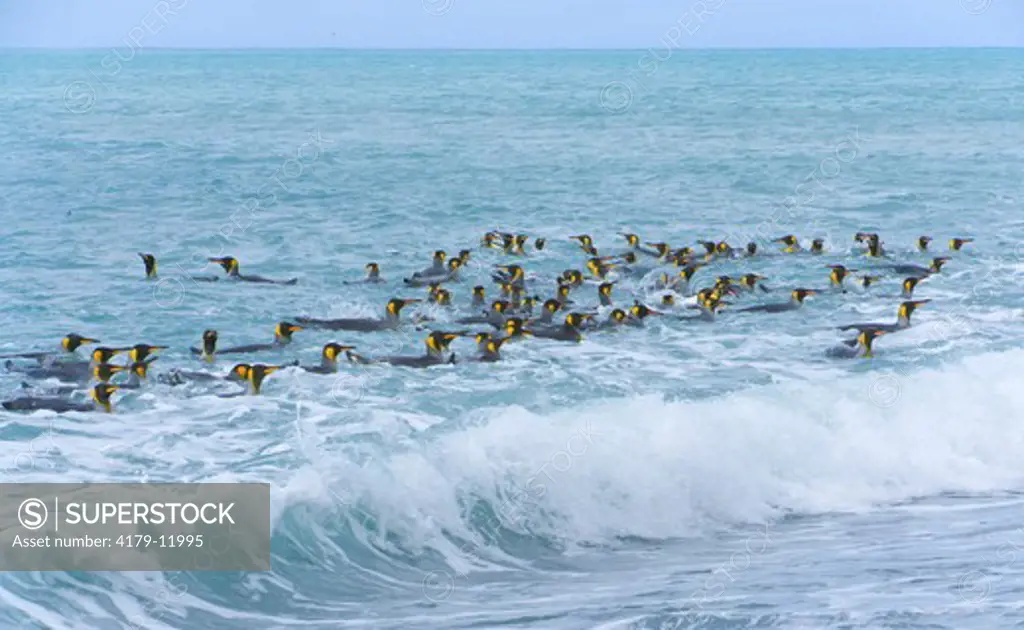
x=509, y=23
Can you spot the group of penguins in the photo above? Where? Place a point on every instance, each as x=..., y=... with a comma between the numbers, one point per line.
x=516, y=314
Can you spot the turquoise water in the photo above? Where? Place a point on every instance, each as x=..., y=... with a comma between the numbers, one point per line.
x=721, y=475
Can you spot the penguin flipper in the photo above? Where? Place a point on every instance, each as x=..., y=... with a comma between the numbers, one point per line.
x=850, y=342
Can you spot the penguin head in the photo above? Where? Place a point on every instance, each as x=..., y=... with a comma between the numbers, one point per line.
x=372, y=269
x=209, y=341
x=629, y=258
x=454, y=264
x=74, y=341
x=521, y=240
x=789, y=240
x=479, y=292
x=867, y=281
x=396, y=305
x=258, y=372
x=817, y=245
x=605, y=289
x=500, y=306
x=631, y=239
x=464, y=256
x=101, y=395
x=481, y=337
x=937, y=263
x=922, y=242
x=102, y=372
x=552, y=306
x=575, y=320
x=956, y=243
x=149, y=260
x=103, y=354
x=333, y=350
x=438, y=341
x=562, y=292
x=907, y=308
x=284, y=330
x=141, y=368
x=641, y=311
x=724, y=248
x=584, y=239
x=229, y=264
x=539, y=243
x=910, y=283
x=668, y=300
x=514, y=327
x=443, y=297
x=494, y=346
x=140, y=351
x=440, y=256
x=799, y=295
x=750, y=279
x=240, y=372
x=618, y=316
x=709, y=246
x=751, y=248
x=866, y=339
x=529, y=302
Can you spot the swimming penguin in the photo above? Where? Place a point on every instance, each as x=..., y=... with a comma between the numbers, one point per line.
x=328, y=359
x=661, y=251
x=838, y=275
x=390, y=321
x=149, y=261
x=586, y=243
x=372, y=275
x=918, y=271
x=628, y=266
x=68, y=347
x=68, y=371
x=818, y=246
x=495, y=316
x=231, y=266
x=638, y=313
x=791, y=243
x=922, y=243
x=709, y=308
x=448, y=273
x=100, y=400
x=208, y=352
x=751, y=249
x=517, y=245
x=282, y=337
x=604, y=293
x=238, y=374
x=437, y=348
x=861, y=347
x=903, y=313
x=796, y=301
x=436, y=267
x=955, y=244
x=568, y=331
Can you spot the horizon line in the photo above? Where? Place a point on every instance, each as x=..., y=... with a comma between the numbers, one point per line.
x=509, y=49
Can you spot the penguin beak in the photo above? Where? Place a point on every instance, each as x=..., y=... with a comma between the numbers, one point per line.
x=920, y=302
